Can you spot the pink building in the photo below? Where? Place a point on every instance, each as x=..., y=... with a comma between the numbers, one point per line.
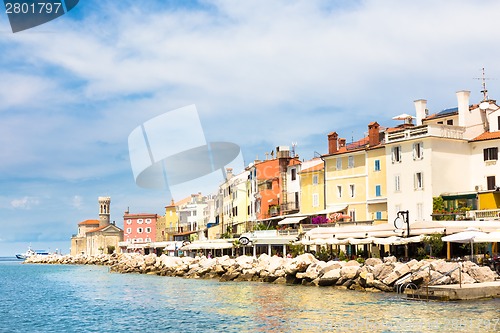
x=139, y=228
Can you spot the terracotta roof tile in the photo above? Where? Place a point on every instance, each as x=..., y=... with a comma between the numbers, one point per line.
x=487, y=136
x=89, y=222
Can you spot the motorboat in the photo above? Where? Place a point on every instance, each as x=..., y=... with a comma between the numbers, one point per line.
x=30, y=253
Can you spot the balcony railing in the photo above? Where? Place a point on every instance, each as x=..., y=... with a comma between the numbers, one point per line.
x=485, y=214
x=443, y=131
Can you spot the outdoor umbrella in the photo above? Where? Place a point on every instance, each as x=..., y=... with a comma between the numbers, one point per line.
x=466, y=236
x=491, y=237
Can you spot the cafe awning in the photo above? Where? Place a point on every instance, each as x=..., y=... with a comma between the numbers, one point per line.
x=291, y=220
x=332, y=209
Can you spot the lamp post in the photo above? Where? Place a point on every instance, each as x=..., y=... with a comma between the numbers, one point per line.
x=402, y=218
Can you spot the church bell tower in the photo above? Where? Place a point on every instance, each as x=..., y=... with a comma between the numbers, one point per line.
x=104, y=203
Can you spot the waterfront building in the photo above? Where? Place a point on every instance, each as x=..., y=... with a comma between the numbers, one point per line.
x=193, y=218
x=97, y=236
x=433, y=158
x=272, y=181
x=312, y=186
x=167, y=225
x=355, y=186
x=139, y=228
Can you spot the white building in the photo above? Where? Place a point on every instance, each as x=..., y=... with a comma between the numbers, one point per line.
x=434, y=157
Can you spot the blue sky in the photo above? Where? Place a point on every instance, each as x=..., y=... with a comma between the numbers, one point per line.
x=260, y=73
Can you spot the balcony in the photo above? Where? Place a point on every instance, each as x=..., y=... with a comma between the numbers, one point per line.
x=485, y=214
x=441, y=131
x=290, y=206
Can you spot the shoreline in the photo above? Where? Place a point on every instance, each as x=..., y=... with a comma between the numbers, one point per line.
x=386, y=275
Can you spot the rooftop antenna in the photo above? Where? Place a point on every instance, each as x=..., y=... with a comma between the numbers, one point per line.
x=294, y=144
x=483, y=79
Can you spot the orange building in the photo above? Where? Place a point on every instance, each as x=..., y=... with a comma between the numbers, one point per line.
x=272, y=198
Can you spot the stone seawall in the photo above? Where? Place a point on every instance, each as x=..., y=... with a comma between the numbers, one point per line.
x=374, y=275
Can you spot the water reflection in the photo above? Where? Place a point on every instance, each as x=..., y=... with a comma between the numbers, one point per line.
x=164, y=304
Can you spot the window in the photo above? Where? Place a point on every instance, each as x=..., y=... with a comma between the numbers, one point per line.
x=490, y=180
x=498, y=123
x=350, y=162
x=139, y=230
x=378, y=215
x=315, y=180
x=377, y=165
x=294, y=174
x=351, y=190
x=148, y=221
x=139, y=221
x=148, y=230
x=420, y=210
x=147, y=240
x=352, y=214
x=378, y=191
x=490, y=154
x=418, y=151
x=129, y=230
x=419, y=180
x=129, y=221
x=396, y=154
x=449, y=122
x=138, y=240
x=339, y=191
x=397, y=183
x=315, y=200
x=339, y=163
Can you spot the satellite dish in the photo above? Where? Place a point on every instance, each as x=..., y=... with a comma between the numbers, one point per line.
x=484, y=105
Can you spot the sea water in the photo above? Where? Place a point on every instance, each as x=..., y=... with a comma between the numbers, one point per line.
x=64, y=298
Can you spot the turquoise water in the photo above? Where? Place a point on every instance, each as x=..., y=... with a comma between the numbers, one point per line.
x=57, y=298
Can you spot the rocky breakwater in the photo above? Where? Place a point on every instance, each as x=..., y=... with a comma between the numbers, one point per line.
x=100, y=259
x=374, y=275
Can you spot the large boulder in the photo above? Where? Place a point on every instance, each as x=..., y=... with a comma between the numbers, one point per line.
x=330, y=277
x=352, y=263
x=381, y=271
x=482, y=274
x=373, y=261
x=349, y=272
x=381, y=286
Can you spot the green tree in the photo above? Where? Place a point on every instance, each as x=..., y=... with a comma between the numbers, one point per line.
x=434, y=242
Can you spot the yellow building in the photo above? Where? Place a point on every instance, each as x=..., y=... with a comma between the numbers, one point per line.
x=355, y=178
x=312, y=189
x=167, y=225
x=376, y=177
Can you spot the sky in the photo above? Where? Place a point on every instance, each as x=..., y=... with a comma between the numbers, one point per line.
x=260, y=73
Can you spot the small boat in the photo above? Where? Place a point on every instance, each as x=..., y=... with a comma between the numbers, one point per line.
x=30, y=253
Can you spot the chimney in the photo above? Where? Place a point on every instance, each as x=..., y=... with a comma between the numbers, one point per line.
x=420, y=110
x=332, y=143
x=341, y=143
x=463, y=107
x=373, y=134
x=229, y=173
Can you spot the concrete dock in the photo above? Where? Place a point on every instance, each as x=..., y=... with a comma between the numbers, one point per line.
x=455, y=292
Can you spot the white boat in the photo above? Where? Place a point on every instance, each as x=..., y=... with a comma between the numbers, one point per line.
x=30, y=253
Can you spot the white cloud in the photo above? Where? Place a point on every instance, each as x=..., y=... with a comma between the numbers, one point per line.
x=25, y=203
x=77, y=201
x=261, y=74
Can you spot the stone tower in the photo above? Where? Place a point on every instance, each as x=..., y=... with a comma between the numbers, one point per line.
x=104, y=203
